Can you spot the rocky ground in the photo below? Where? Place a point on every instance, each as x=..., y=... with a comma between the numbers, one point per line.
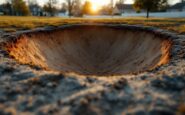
x=28, y=90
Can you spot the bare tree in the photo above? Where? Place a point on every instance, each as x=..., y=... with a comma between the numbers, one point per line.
x=11, y=7
x=77, y=8
x=35, y=8
x=50, y=7
x=112, y=6
x=63, y=7
x=70, y=4
x=6, y=8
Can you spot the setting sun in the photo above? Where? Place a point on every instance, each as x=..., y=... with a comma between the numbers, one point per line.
x=94, y=7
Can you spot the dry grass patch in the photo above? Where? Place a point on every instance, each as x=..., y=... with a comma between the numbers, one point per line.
x=13, y=23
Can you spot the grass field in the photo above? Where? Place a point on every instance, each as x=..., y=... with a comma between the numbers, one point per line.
x=12, y=24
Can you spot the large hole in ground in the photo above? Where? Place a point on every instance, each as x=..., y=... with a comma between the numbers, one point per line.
x=92, y=50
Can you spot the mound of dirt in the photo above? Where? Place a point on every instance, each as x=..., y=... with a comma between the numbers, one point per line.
x=92, y=50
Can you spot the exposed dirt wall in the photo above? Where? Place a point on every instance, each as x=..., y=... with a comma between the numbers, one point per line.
x=92, y=50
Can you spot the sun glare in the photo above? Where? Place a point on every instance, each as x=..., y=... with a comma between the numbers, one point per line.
x=94, y=7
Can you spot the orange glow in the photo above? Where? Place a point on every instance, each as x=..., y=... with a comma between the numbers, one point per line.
x=94, y=8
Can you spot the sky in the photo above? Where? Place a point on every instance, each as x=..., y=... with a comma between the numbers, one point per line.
x=97, y=2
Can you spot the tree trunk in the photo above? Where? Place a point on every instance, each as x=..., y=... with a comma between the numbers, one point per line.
x=148, y=11
x=70, y=12
x=112, y=7
x=70, y=6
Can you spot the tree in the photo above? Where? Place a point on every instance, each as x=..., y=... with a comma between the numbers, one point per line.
x=87, y=7
x=149, y=5
x=34, y=7
x=70, y=4
x=111, y=6
x=74, y=7
x=50, y=7
x=20, y=8
x=163, y=5
x=106, y=10
x=63, y=7
x=77, y=8
x=7, y=8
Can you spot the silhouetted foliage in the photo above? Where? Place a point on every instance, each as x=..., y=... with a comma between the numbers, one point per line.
x=50, y=7
x=20, y=8
x=35, y=8
x=74, y=7
x=6, y=8
x=87, y=7
x=63, y=8
x=77, y=8
x=150, y=5
x=70, y=4
x=106, y=10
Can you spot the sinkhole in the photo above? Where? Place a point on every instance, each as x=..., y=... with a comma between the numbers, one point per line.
x=92, y=50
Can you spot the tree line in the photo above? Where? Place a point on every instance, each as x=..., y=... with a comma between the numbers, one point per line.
x=74, y=7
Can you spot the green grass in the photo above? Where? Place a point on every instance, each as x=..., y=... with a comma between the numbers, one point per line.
x=12, y=23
